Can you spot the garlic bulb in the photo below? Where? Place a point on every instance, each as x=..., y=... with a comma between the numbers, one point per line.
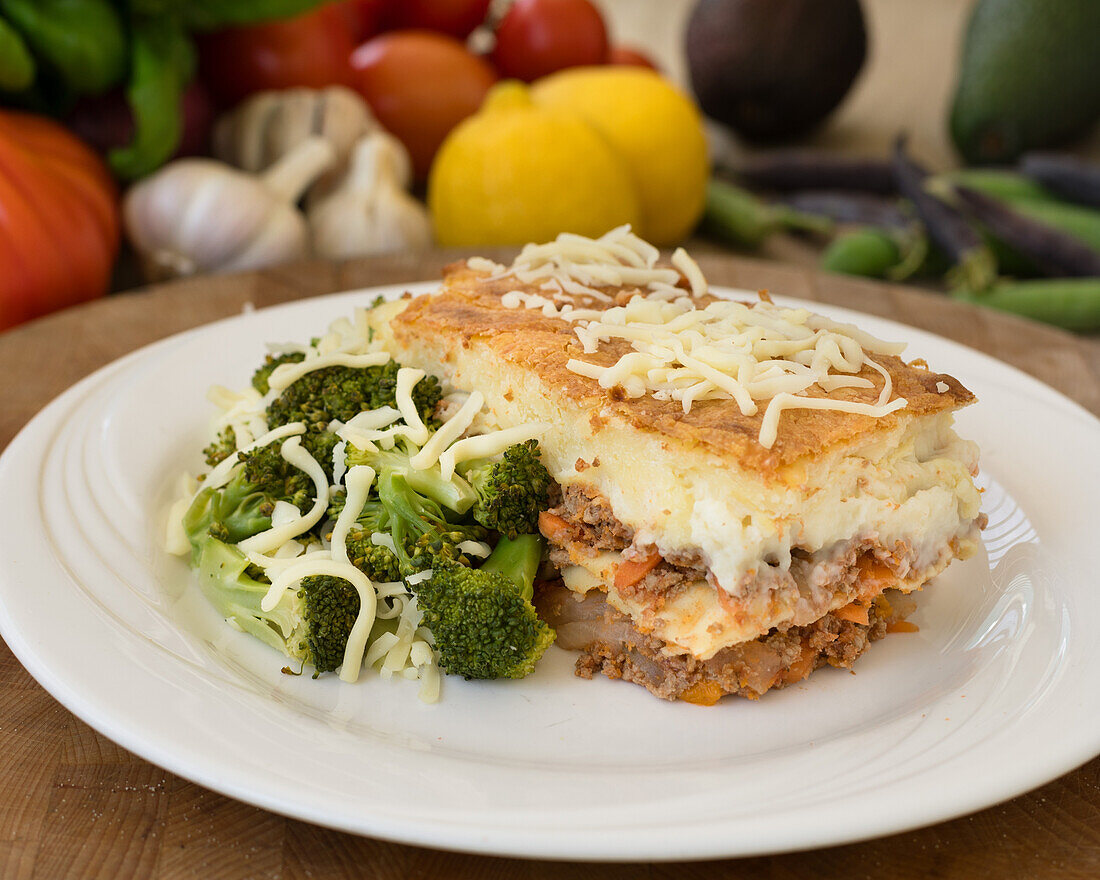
x=267, y=126
x=369, y=211
x=200, y=215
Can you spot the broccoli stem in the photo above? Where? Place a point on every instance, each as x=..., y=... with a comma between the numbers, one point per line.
x=455, y=494
x=518, y=560
x=237, y=596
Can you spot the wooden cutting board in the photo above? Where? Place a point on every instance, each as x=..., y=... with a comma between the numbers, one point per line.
x=75, y=805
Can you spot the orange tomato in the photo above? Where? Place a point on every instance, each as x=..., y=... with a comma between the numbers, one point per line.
x=59, y=219
x=420, y=85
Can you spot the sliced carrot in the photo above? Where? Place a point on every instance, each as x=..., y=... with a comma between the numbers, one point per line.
x=902, y=626
x=703, y=693
x=630, y=571
x=855, y=612
x=553, y=527
x=801, y=667
x=871, y=569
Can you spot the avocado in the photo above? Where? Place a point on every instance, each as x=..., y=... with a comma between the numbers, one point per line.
x=1030, y=77
x=774, y=69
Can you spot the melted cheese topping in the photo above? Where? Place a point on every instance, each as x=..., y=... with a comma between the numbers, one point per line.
x=724, y=350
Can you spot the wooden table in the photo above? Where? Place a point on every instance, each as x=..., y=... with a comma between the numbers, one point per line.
x=74, y=805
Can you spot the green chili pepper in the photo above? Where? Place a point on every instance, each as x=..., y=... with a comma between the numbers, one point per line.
x=1072, y=303
x=162, y=63
x=16, y=63
x=738, y=216
x=83, y=41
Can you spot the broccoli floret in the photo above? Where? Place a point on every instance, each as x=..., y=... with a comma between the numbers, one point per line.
x=421, y=530
x=311, y=624
x=453, y=493
x=243, y=506
x=329, y=608
x=441, y=548
x=511, y=492
x=375, y=561
x=482, y=619
x=340, y=393
x=261, y=376
x=411, y=517
x=223, y=447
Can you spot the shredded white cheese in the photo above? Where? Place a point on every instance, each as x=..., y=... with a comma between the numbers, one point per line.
x=285, y=375
x=450, y=431
x=339, y=462
x=219, y=476
x=408, y=652
x=687, y=352
x=176, y=541
x=383, y=539
x=407, y=378
x=475, y=548
x=368, y=603
x=359, y=480
x=487, y=445
x=268, y=540
x=574, y=264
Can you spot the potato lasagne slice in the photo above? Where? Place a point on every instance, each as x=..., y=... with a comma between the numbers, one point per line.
x=746, y=492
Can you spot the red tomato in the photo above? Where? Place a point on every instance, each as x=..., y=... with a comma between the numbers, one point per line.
x=454, y=17
x=420, y=85
x=307, y=50
x=537, y=37
x=59, y=223
x=364, y=17
x=631, y=57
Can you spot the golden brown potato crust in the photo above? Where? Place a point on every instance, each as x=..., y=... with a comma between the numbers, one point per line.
x=468, y=310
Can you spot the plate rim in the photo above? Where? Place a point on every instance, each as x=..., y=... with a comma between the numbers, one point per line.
x=86, y=710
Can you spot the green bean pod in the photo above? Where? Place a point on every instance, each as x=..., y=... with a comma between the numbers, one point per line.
x=873, y=252
x=738, y=216
x=1000, y=183
x=1077, y=220
x=868, y=252
x=1071, y=303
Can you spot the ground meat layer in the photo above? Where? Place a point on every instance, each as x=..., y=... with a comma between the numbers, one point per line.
x=590, y=519
x=610, y=644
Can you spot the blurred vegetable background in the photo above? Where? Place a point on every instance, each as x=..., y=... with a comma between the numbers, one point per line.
x=951, y=143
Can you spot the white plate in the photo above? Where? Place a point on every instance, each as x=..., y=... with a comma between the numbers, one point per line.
x=995, y=695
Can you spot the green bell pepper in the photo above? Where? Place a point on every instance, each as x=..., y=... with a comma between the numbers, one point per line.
x=83, y=41
x=16, y=63
x=207, y=15
x=161, y=65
